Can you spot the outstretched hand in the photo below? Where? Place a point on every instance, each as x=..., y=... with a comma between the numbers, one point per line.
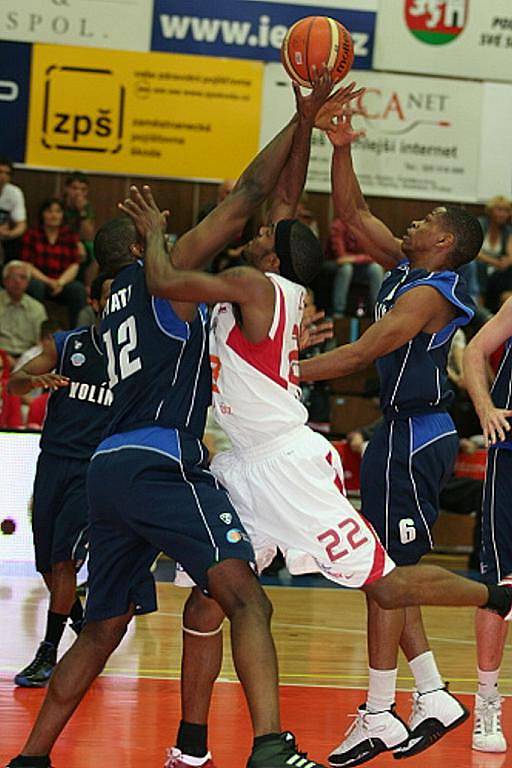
x=312, y=331
x=144, y=212
x=309, y=106
x=335, y=104
x=342, y=133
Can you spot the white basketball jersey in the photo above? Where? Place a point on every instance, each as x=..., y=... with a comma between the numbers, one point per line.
x=256, y=393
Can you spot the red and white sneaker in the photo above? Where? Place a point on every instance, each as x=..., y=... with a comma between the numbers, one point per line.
x=176, y=759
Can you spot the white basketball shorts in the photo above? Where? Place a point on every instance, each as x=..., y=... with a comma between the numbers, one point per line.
x=289, y=494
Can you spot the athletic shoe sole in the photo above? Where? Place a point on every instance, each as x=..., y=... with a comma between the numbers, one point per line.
x=425, y=740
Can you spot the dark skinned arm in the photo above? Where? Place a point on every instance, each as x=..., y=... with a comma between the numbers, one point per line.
x=37, y=373
x=372, y=235
x=414, y=312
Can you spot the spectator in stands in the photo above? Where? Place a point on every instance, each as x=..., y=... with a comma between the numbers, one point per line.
x=13, y=215
x=495, y=259
x=345, y=260
x=20, y=315
x=80, y=217
x=53, y=252
x=10, y=405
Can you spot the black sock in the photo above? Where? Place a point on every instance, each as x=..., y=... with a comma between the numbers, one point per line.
x=500, y=599
x=192, y=739
x=76, y=615
x=41, y=761
x=55, y=627
x=263, y=739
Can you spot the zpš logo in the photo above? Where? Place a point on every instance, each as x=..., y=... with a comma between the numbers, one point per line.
x=436, y=22
x=83, y=110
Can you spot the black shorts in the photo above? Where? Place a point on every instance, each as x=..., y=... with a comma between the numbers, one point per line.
x=60, y=511
x=142, y=503
x=405, y=466
x=496, y=548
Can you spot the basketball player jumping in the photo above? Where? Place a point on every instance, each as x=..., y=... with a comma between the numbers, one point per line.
x=421, y=303
x=494, y=409
x=148, y=485
x=285, y=481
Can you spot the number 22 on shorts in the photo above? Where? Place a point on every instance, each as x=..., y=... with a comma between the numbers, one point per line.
x=332, y=539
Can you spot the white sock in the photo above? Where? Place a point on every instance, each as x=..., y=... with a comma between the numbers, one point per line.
x=488, y=683
x=381, y=689
x=426, y=673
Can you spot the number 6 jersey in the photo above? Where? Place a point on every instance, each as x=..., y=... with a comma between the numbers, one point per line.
x=256, y=393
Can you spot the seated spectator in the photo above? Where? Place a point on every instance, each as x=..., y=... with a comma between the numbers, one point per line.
x=495, y=259
x=13, y=216
x=10, y=405
x=53, y=252
x=20, y=315
x=348, y=263
x=79, y=216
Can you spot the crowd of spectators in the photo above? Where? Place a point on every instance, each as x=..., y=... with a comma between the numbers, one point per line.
x=43, y=264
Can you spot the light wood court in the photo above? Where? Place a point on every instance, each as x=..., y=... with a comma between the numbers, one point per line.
x=132, y=712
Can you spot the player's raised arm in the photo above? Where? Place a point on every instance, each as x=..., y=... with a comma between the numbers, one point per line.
x=165, y=280
x=312, y=110
x=38, y=373
x=495, y=421
x=413, y=312
x=373, y=236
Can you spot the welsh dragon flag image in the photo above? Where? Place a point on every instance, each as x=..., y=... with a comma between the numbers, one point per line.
x=436, y=22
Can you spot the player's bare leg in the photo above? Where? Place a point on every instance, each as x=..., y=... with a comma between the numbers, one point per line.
x=491, y=634
x=71, y=680
x=377, y=727
x=201, y=662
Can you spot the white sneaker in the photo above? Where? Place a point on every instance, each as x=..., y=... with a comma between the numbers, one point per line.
x=433, y=714
x=487, y=733
x=368, y=736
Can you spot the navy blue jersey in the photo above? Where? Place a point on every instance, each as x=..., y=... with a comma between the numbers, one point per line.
x=77, y=415
x=158, y=365
x=413, y=378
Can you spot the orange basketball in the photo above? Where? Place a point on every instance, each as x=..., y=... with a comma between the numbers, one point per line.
x=317, y=41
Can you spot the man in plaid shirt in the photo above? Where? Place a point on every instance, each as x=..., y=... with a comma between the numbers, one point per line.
x=54, y=253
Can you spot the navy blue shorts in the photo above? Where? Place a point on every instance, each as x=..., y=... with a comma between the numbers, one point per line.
x=405, y=466
x=144, y=502
x=60, y=511
x=496, y=549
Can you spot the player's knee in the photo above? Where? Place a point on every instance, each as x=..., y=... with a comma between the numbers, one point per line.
x=202, y=614
x=389, y=591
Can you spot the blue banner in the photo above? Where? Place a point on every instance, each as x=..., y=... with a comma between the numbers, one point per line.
x=247, y=30
x=14, y=92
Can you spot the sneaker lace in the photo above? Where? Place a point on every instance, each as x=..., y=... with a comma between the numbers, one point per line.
x=490, y=714
x=359, y=723
x=418, y=706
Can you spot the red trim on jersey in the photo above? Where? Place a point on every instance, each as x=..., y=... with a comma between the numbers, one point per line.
x=379, y=561
x=338, y=482
x=266, y=355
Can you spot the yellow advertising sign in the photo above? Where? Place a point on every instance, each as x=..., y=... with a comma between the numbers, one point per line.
x=154, y=114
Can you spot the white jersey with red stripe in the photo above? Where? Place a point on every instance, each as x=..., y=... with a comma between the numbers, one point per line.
x=256, y=393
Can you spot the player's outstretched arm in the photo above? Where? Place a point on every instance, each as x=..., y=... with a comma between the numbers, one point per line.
x=310, y=109
x=495, y=421
x=37, y=373
x=373, y=236
x=242, y=285
x=412, y=314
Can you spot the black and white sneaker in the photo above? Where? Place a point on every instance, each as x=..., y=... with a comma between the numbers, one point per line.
x=368, y=736
x=39, y=671
x=433, y=714
x=281, y=752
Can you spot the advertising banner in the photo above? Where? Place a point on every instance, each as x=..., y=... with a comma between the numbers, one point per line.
x=457, y=38
x=14, y=92
x=496, y=153
x=422, y=135
x=122, y=24
x=248, y=29
x=150, y=114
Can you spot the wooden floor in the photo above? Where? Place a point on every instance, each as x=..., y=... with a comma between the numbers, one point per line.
x=132, y=712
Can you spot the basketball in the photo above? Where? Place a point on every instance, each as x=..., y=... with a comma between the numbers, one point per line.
x=317, y=41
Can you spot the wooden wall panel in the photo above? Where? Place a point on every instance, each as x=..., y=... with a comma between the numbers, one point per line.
x=185, y=199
